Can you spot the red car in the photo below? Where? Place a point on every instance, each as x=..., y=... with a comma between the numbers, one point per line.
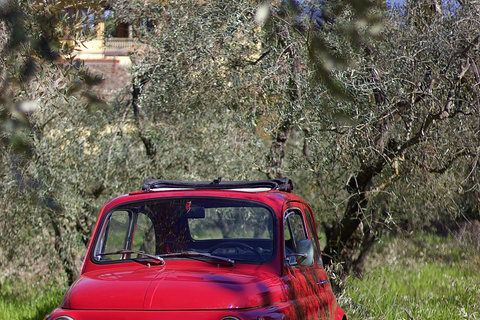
x=203, y=250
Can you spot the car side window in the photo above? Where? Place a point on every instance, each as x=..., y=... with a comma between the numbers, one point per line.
x=294, y=230
x=314, y=237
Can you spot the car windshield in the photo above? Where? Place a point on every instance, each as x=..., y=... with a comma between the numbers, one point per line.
x=187, y=228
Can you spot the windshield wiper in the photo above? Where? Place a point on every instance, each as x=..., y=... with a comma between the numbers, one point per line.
x=141, y=253
x=198, y=254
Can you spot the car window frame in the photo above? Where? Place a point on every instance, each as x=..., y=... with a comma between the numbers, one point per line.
x=133, y=204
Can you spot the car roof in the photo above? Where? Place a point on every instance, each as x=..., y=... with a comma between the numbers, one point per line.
x=281, y=184
x=274, y=193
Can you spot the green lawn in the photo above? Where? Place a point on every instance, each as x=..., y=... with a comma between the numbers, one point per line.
x=425, y=278
x=28, y=303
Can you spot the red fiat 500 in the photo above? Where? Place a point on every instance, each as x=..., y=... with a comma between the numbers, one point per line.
x=203, y=250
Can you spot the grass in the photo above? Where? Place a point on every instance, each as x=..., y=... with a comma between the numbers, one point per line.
x=20, y=302
x=427, y=277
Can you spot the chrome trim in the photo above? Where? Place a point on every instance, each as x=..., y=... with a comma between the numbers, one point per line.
x=63, y=318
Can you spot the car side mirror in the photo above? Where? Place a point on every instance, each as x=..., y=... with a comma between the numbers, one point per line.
x=305, y=252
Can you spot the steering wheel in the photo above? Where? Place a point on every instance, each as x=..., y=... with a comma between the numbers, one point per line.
x=236, y=244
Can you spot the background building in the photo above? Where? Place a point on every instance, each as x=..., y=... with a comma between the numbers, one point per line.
x=108, y=39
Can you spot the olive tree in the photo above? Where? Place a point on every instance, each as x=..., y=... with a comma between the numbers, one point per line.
x=363, y=118
x=412, y=115
x=361, y=121
x=38, y=87
x=237, y=89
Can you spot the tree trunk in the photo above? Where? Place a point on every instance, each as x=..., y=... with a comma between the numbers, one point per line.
x=350, y=240
x=277, y=151
x=66, y=258
x=150, y=148
x=279, y=144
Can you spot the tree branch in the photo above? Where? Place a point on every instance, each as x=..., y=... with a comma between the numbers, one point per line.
x=259, y=59
x=443, y=169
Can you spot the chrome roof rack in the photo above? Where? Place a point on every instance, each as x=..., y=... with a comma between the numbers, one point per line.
x=282, y=184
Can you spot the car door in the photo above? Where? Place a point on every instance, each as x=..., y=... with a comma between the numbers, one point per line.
x=306, y=280
x=322, y=279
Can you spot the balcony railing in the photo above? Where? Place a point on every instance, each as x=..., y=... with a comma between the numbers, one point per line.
x=119, y=46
